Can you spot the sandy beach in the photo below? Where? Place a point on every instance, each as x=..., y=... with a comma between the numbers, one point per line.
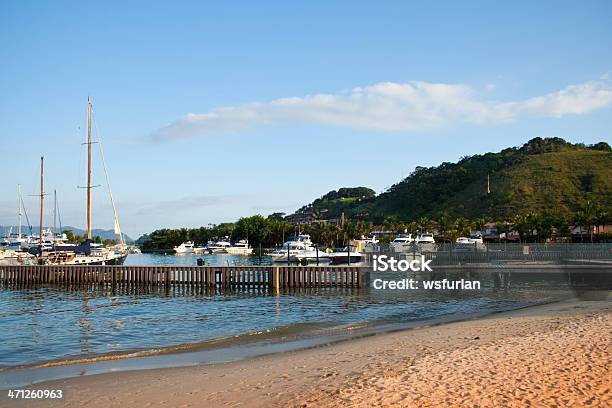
x=551, y=355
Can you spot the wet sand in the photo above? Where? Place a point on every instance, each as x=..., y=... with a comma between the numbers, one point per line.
x=557, y=354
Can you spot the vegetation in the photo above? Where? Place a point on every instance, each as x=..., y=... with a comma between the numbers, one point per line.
x=542, y=175
x=538, y=190
x=76, y=239
x=334, y=203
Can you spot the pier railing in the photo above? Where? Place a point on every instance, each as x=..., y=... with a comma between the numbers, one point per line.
x=226, y=277
x=558, y=253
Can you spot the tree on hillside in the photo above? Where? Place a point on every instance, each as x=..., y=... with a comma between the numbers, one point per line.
x=502, y=227
x=479, y=224
x=520, y=225
x=443, y=222
x=587, y=217
x=602, y=218
x=277, y=216
x=462, y=226
x=534, y=224
x=424, y=224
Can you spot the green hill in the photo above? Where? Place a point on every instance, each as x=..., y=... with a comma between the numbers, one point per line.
x=544, y=174
x=334, y=203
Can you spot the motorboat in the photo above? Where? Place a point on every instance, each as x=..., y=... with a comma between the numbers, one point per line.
x=473, y=243
x=241, y=247
x=402, y=243
x=426, y=242
x=289, y=251
x=367, y=244
x=299, y=249
x=219, y=247
x=345, y=256
x=425, y=239
x=184, y=248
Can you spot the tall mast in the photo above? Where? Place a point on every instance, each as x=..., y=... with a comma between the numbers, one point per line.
x=88, y=167
x=55, y=211
x=42, y=196
x=19, y=213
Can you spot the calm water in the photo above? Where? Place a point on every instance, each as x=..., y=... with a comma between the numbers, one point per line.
x=191, y=259
x=40, y=325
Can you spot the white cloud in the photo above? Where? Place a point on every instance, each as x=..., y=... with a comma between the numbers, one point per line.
x=392, y=107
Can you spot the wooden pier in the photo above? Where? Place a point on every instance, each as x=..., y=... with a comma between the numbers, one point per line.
x=226, y=277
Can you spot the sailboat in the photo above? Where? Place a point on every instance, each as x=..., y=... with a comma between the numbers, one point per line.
x=87, y=253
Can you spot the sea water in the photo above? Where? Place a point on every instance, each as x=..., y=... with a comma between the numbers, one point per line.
x=51, y=327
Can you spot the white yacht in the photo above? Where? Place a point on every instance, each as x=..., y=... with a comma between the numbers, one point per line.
x=219, y=247
x=425, y=239
x=402, y=243
x=345, y=256
x=299, y=249
x=201, y=249
x=366, y=244
x=289, y=251
x=474, y=243
x=241, y=247
x=184, y=248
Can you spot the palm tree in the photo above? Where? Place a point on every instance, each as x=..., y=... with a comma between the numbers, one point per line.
x=390, y=223
x=519, y=224
x=502, y=228
x=534, y=223
x=602, y=219
x=587, y=217
x=479, y=224
x=462, y=225
x=443, y=223
x=424, y=224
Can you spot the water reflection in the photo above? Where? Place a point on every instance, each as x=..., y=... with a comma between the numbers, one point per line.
x=50, y=323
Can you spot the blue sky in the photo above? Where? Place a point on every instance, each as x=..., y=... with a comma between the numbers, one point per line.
x=288, y=100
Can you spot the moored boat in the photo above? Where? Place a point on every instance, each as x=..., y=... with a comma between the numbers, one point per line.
x=345, y=256
x=184, y=248
x=241, y=247
x=219, y=246
x=402, y=243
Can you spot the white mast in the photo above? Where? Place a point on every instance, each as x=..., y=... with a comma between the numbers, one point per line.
x=55, y=211
x=88, y=167
x=19, y=213
x=488, y=185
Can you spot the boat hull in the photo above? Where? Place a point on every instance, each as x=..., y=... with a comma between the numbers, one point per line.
x=244, y=251
x=339, y=258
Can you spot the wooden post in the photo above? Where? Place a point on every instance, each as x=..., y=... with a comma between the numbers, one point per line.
x=276, y=280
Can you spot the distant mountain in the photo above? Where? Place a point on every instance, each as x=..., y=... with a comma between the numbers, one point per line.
x=544, y=174
x=104, y=234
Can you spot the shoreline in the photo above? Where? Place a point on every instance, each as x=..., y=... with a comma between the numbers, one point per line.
x=323, y=375
x=228, y=350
